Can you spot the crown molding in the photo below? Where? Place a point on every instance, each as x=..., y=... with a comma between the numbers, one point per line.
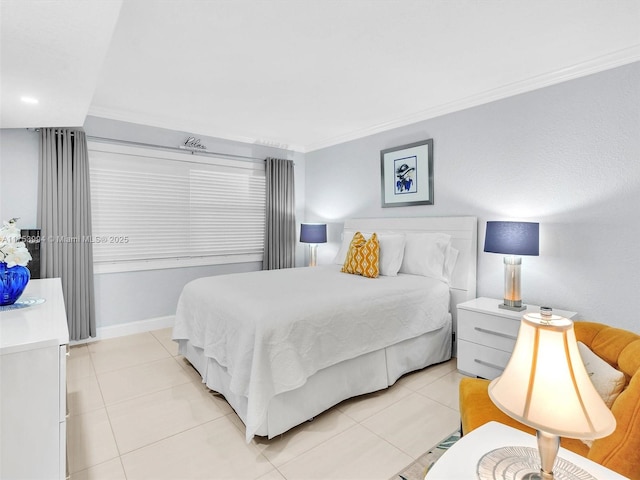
x=596, y=65
x=153, y=121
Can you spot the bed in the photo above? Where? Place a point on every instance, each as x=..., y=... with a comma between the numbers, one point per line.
x=283, y=346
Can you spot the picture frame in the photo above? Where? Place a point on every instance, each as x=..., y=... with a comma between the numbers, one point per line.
x=407, y=174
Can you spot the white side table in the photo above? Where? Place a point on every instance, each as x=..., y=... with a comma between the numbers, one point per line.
x=487, y=335
x=461, y=460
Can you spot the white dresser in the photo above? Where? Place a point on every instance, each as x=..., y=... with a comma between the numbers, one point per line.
x=33, y=346
x=487, y=335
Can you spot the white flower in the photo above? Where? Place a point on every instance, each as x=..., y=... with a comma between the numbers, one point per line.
x=12, y=251
x=9, y=231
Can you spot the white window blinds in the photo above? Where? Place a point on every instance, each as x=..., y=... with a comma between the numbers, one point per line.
x=159, y=209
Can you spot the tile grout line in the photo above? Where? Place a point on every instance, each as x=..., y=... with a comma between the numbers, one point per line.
x=227, y=415
x=387, y=441
x=368, y=417
x=325, y=441
x=188, y=380
x=105, y=405
x=106, y=410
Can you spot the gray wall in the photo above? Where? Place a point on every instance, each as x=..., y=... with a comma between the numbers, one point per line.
x=129, y=296
x=19, y=150
x=567, y=156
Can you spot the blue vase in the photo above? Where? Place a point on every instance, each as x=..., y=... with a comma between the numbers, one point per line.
x=13, y=281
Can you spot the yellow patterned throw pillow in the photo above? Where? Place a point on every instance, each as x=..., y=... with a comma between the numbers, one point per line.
x=363, y=256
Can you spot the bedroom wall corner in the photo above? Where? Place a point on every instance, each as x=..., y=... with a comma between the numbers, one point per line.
x=131, y=328
x=567, y=156
x=19, y=157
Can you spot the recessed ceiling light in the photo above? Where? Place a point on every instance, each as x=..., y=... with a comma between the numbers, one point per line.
x=29, y=100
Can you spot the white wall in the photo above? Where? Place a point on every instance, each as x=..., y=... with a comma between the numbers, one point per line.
x=122, y=298
x=19, y=150
x=567, y=156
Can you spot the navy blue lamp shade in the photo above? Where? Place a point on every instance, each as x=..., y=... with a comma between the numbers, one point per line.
x=313, y=233
x=512, y=239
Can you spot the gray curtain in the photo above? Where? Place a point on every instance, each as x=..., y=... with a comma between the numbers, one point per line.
x=64, y=216
x=280, y=233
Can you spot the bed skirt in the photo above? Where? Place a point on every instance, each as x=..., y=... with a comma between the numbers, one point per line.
x=328, y=387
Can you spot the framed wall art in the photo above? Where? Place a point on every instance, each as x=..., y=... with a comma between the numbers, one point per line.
x=407, y=174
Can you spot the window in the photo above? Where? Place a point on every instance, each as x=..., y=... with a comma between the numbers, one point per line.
x=161, y=209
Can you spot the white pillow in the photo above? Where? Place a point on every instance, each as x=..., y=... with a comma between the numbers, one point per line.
x=347, y=236
x=391, y=250
x=450, y=259
x=391, y=253
x=608, y=381
x=424, y=254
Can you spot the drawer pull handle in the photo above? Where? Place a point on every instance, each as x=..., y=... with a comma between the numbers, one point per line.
x=487, y=364
x=491, y=332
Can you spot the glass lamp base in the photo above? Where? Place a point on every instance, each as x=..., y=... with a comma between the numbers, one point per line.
x=523, y=463
x=313, y=255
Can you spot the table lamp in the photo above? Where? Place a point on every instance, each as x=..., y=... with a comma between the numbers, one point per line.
x=512, y=239
x=546, y=386
x=313, y=234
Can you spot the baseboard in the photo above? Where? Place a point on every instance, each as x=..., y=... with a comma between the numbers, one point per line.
x=131, y=328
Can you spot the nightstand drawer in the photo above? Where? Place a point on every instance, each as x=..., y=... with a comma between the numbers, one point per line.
x=490, y=330
x=481, y=361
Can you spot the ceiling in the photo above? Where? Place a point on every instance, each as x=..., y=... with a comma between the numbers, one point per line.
x=298, y=74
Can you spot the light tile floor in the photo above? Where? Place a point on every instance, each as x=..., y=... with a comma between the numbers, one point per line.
x=138, y=410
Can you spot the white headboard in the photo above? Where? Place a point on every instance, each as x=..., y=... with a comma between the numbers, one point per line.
x=464, y=237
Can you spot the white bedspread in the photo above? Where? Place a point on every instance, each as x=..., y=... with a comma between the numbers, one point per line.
x=273, y=329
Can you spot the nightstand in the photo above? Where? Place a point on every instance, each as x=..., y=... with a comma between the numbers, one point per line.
x=487, y=335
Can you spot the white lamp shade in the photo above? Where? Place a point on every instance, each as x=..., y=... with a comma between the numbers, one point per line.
x=546, y=386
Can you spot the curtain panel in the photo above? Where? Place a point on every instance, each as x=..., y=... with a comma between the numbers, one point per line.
x=64, y=216
x=280, y=230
